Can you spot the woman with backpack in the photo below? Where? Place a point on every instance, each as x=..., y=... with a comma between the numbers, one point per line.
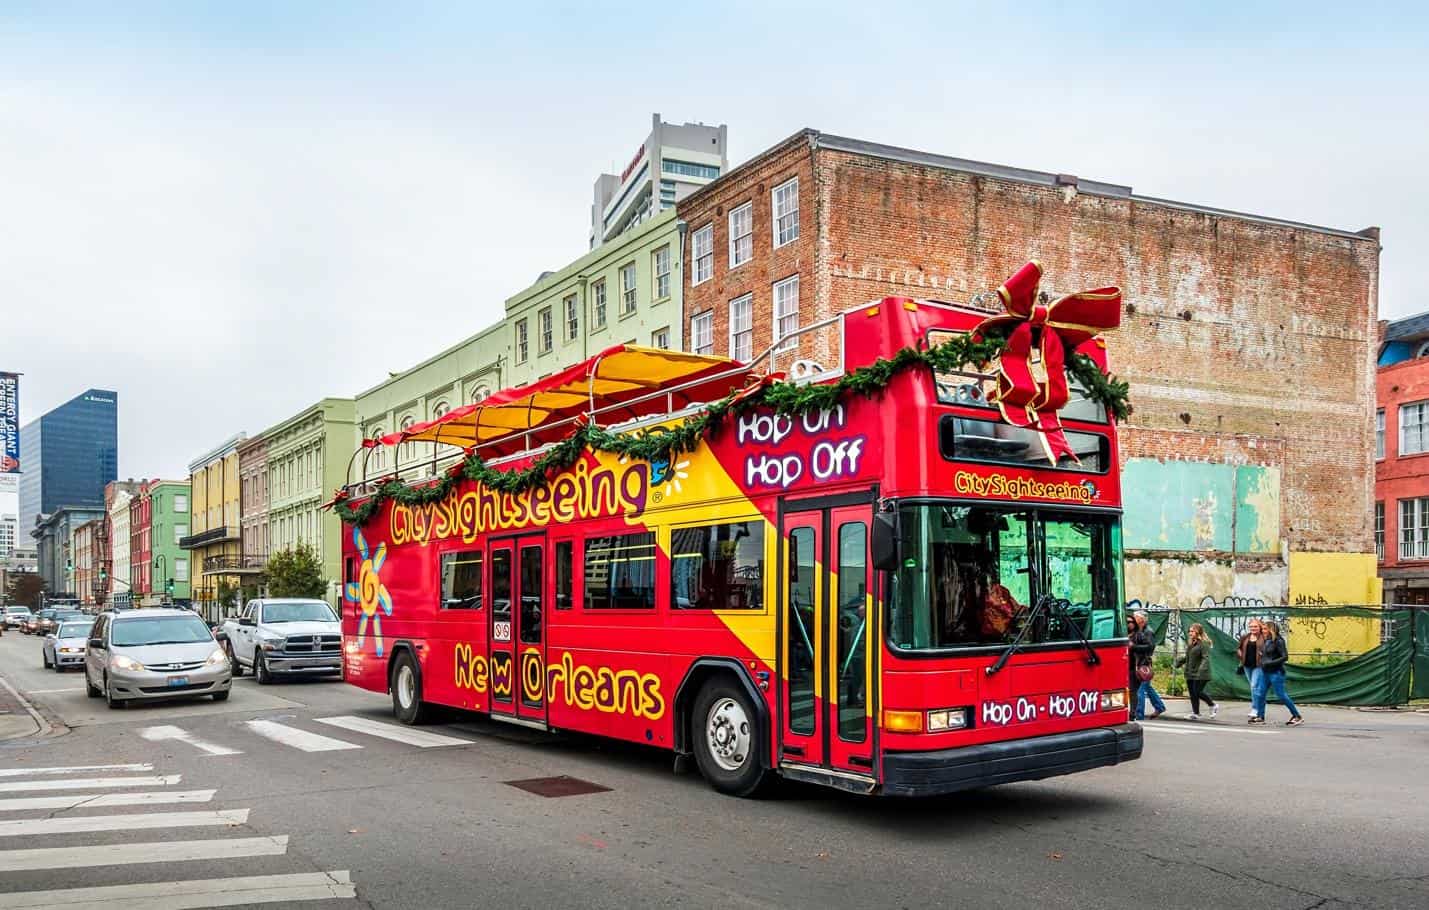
x=1197, y=661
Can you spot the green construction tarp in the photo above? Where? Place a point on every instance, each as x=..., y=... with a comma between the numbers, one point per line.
x=1420, y=688
x=1377, y=677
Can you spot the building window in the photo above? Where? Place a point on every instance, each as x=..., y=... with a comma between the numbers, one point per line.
x=544, y=321
x=407, y=451
x=689, y=169
x=786, y=212
x=702, y=252
x=461, y=580
x=1414, y=529
x=598, y=306
x=660, y=338
x=1413, y=428
x=741, y=328
x=628, y=289
x=741, y=235
x=378, y=458
x=180, y=532
x=181, y=570
x=440, y=410
x=1379, y=531
x=619, y=572
x=702, y=333
x=662, y=272
x=573, y=319
x=667, y=194
x=480, y=393
x=1379, y=433
x=521, y=341
x=717, y=567
x=786, y=310
x=181, y=504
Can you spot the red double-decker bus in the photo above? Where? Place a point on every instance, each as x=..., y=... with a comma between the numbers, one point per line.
x=899, y=593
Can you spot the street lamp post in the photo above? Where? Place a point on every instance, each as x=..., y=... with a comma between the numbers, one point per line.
x=162, y=560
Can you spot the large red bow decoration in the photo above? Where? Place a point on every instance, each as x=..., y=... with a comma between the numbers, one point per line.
x=1026, y=399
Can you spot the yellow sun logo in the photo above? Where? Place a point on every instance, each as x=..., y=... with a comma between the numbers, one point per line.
x=368, y=592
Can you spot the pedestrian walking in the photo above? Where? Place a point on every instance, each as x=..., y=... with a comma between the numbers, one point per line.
x=1143, y=646
x=1247, y=651
x=1197, y=661
x=1273, y=655
x=1132, y=683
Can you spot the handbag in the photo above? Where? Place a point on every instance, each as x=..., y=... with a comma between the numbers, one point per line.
x=1144, y=672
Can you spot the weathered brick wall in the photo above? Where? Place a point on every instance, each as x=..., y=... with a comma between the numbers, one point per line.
x=1242, y=339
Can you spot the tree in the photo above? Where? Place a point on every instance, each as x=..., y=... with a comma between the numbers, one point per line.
x=297, y=572
x=25, y=589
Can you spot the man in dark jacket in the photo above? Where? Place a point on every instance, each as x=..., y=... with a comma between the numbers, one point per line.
x=1143, y=646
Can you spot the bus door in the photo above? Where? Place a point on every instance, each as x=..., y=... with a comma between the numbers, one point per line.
x=829, y=633
x=518, y=637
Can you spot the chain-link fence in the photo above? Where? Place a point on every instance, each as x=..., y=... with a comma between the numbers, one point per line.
x=1339, y=654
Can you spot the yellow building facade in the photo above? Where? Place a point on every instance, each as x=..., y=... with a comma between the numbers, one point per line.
x=214, y=538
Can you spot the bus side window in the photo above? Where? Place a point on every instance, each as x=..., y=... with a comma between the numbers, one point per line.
x=565, y=574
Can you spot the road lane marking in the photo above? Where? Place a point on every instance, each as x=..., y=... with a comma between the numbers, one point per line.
x=88, y=783
x=87, y=824
x=179, y=734
x=191, y=895
x=54, y=691
x=389, y=731
x=106, y=800
x=1189, y=730
x=94, y=855
x=72, y=769
x=298, y=739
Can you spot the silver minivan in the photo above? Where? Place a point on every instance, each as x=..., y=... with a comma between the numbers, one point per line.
x=154, y=653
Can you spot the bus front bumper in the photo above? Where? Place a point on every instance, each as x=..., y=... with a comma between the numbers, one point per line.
x=951, y=770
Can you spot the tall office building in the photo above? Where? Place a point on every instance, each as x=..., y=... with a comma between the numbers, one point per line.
x=674, y=160
x=68, y=455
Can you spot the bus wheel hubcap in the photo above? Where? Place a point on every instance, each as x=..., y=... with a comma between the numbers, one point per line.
x=728, y=734
x=406, y=686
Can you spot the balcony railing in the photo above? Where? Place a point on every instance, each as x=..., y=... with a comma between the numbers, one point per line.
x=204, y=538
x=234, y=564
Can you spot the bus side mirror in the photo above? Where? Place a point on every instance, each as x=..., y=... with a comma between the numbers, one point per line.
x=885, y=541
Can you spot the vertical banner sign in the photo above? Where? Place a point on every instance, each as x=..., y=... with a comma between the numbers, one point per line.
x=9, y=423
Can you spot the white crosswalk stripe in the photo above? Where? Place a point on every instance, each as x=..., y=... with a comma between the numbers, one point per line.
x=298, y=739
x=190, y=895
x=105, y=800
x=419, y=738
x=1192, y=729
x=130, y=854
x=72, y=769
x=85, y=824
x=90, y=783
x=179, y=734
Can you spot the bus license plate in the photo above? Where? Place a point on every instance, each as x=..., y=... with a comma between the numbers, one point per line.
x=178, y=681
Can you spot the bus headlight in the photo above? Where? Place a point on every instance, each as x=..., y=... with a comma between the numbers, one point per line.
x=945, y=719
x=1114, y=700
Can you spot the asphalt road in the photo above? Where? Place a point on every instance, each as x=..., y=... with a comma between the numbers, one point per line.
x=1330, y=814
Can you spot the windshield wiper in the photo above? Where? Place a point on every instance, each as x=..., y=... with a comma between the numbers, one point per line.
x=1061, y=605
x=1007, y=653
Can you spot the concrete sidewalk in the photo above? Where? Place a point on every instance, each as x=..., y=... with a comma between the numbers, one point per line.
x=18, y=718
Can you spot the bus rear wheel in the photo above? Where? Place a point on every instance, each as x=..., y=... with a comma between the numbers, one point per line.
x=727, y=739
x=406, y=683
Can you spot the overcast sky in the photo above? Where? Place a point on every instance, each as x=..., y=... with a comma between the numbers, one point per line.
x=225, y=211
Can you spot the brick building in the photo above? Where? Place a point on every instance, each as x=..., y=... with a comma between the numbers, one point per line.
x=1401, y=470
x=1248, y=341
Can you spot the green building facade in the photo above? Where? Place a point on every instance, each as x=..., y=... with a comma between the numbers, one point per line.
x=168, y=522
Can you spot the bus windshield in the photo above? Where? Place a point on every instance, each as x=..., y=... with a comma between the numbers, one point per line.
x=968, y=576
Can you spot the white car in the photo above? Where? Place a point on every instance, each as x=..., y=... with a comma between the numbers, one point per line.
x=64, y=647
x=284, y=637
x=15, y=616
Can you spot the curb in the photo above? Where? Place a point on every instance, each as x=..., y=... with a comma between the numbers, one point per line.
x=43, y=726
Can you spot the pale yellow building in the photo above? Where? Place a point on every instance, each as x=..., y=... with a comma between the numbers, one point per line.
x=214, y=534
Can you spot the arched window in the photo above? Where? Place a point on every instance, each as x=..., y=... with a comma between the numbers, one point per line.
x=478, y=392
x=1423, y=350
x=441, y=408
x=378, y=460
x=406, y=451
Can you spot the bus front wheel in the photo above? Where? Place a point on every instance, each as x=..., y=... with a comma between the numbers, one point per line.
x=407, y=704
x=728, y=740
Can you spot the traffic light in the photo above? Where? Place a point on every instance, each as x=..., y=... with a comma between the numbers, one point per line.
x=103, y=574
x=69, y=565
x=169, y=586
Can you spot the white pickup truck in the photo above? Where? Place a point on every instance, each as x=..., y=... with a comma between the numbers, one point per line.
x=283, y=636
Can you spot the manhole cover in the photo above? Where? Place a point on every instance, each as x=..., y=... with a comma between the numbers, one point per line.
x=557, y=786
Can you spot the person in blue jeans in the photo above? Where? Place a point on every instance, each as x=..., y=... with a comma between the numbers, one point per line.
x=1143, y=646
x=1273, y=655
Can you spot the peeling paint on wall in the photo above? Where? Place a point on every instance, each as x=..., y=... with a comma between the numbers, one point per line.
x=1257, y=510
